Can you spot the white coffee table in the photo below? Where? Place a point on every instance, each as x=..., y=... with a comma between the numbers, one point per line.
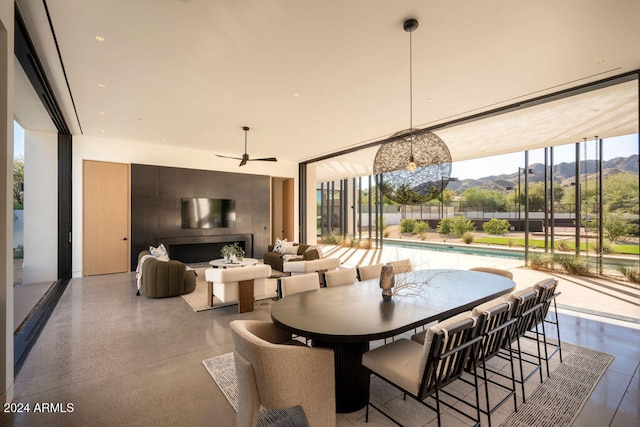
x=220, y=263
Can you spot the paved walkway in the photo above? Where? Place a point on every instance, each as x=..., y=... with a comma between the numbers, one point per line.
x=613, y=300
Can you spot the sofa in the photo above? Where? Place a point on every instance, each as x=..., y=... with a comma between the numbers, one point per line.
x=161, y=279
x=276, y=259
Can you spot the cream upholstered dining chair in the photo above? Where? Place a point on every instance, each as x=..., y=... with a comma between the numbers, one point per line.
x=369, y=272
x=423, y=370
x=290, y=285
x=279, y=376
x=498, y=271
x=401, y=266
x=346, y=276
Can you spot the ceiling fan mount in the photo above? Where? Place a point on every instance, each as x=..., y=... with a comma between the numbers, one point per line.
x=245, y=157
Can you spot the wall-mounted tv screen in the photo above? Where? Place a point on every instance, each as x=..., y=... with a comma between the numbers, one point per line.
x=208, y=213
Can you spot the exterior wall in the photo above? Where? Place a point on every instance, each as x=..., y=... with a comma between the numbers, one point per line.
x=112, y=150
x=6, y=198
x=41, y=207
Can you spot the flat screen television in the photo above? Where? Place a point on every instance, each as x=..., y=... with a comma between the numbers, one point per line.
x=208, y=213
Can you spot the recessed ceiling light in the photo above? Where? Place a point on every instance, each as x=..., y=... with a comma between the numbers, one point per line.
x=164, y=139
x=103, y=113
x=429, y=100
x=102, y=85
x=297, y=95
x=102, y=130
x=599, y=61
x=100, y=39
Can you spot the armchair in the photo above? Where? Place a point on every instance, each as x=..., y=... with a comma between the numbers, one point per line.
x=160, y=279
x=279, y=376
x=276, y=259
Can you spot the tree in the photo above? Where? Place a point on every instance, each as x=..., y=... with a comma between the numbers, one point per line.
x=489, y=200
x=536, y=196
x=615, y=226
x=18, y=183
x=621, y=192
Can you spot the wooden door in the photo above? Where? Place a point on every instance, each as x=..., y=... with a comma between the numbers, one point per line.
x=287, y=209
x=105, y=218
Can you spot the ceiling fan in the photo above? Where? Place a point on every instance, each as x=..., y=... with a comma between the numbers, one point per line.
x=245, y=157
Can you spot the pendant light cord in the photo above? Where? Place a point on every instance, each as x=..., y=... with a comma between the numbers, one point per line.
x=411, y=92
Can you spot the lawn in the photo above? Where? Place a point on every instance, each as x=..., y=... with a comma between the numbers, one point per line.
x=537, y=243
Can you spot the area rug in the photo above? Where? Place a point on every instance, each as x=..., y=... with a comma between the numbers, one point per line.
x=559, y=400
x=197, y=299
x=555, y=403
x=223, y=371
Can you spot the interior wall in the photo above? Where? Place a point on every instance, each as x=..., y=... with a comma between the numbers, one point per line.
x=157, y=192
x=40, y=262
x=311, y=208
x=6, y=198
x=276, y=209
x=113, y=150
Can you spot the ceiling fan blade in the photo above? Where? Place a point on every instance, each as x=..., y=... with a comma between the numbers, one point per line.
x=266, y=159
x=228, y=157
x=243, y=161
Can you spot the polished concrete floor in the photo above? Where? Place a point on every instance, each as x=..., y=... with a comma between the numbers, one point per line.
x=112, y=358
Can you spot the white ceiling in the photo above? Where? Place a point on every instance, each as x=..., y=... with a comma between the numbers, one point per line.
x=315, y=77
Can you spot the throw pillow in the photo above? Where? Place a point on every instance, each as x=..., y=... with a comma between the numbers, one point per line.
x=290, y=249
x=277, y=246
x=317, y=249
x=160, y=252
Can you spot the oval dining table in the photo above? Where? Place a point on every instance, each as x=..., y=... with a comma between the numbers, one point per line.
x=346, y=318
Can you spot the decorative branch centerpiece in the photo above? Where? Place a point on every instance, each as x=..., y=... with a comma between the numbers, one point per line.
x=232, y=253
x=387, y=281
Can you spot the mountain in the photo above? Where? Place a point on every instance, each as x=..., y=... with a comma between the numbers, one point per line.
x=564, y=173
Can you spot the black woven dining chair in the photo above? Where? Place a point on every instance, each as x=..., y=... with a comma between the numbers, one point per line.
x=423, y=370
x=496, y=328
x=526, y=310
x=546, y=290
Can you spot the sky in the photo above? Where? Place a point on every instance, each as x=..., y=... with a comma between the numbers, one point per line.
x=622, y=146
x=18, y=140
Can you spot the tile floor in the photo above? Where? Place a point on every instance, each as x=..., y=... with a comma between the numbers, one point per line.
x=126, y=360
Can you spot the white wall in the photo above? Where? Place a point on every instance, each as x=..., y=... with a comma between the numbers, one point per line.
x=112, y=150
x=6, y=199
x=40, y=207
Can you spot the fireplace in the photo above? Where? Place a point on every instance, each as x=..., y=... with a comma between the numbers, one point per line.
x=196, y=249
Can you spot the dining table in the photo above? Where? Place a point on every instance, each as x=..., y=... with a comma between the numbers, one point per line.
x=347, y=318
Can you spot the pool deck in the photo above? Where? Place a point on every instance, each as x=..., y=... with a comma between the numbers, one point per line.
x=611, y=300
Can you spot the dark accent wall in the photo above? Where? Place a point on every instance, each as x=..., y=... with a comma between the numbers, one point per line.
x=156, y=194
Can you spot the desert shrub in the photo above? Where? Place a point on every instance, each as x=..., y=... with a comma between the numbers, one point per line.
x=467, y=237
x=407, y=225
x=457, y=226
x=421, y=227
x=461, y=225
x=365, y=244
x=573, y=264
x=332, y=239
x=538, y=260
x=631, y=273
x=496, y=226
x=445, y=226
x=386, y=233
x=563, y=246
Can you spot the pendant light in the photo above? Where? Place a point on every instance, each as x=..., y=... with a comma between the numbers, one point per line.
x=412, y=165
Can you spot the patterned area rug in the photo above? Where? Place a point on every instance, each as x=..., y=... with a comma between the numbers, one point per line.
x=197, y=299
x=222, y=369
x=555, y=403
x=558, y=401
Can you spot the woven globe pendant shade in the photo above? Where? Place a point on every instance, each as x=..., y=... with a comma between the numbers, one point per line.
x=432, y=171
